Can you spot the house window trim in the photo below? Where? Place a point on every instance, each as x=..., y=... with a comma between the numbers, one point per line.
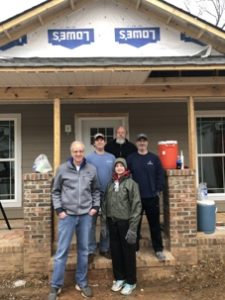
x=17, y=202
x=207, y=114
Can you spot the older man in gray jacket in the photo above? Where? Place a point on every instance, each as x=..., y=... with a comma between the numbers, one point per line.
x=76, y=198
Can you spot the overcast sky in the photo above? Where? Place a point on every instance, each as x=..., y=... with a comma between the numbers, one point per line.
x=11, y=8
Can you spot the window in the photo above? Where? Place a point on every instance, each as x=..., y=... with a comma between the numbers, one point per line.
x=107, y=131
x=10, y=177
x=211, y=152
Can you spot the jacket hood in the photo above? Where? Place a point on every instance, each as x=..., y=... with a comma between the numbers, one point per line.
x=122, y=161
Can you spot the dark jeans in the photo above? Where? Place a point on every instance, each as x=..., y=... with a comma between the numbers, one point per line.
x=123, y=254
x=151, y=208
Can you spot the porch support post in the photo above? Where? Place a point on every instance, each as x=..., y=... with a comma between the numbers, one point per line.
x=191, y=134
x=57, y=133
x=57, y=151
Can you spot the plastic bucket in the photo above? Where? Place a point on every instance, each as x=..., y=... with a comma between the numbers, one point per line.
x=168, y=152
x=206, y=216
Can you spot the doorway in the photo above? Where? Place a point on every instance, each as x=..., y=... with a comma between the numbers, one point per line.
x=87, y=125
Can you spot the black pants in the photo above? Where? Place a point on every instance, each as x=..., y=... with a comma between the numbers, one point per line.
x=123, y=254
x=151, y=208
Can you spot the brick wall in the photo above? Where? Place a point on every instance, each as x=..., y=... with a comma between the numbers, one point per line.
x=37, y=222
x=181, y=215
x=211, y=246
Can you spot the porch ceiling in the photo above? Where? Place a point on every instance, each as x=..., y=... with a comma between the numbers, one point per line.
x=34, y=78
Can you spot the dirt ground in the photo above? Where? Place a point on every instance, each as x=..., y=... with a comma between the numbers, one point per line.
x=205, y=282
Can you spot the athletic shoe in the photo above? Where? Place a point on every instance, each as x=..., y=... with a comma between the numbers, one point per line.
x=160, y=255
x=117, y=285
x=54, y=292
x=85, y=291
x=128, y=289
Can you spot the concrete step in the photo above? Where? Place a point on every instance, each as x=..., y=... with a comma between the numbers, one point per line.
x=148, y=267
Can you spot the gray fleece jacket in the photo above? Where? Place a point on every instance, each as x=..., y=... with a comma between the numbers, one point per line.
x=75, y=192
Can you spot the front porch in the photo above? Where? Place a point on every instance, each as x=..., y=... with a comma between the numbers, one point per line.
x=27, y=248
x=209, y=247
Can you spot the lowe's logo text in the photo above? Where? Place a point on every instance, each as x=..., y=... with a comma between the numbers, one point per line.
x=70, y=38
x=137, y=37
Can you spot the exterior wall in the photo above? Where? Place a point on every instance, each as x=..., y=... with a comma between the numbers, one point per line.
x=161, y=121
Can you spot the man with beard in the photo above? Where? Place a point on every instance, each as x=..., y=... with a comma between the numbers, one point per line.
x=120, y=146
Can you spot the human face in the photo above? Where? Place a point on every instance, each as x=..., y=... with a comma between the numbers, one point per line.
x=121, y=133
x=142, y=146
x=99, y=144
x=77, y=152
x=119, y=169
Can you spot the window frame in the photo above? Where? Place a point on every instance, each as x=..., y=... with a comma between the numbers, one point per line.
x=17, y=201
x=207, y=114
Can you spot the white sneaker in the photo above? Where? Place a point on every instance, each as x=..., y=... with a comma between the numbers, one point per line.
x=117, y=285
x=128, y=289
x=160, y=255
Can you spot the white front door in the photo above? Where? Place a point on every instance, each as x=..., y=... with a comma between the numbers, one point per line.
x=87, y=127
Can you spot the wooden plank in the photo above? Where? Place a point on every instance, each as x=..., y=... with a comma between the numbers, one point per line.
x=28, y=22
x=111, y=92
x=186, y=80
x=121, y=68
x=57, y=133
x=181, y=15
x=191, y=134
x=57, y=151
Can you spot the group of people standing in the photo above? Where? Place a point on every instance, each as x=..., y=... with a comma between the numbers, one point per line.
x=120, y=179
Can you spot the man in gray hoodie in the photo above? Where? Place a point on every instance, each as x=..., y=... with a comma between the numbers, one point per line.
x=76, y=199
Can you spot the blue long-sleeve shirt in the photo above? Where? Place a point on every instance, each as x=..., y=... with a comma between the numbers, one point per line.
x=147, y=171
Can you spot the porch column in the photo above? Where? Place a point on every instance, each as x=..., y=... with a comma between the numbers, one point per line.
x=181, y=206
x=57, y=150
x=57, y=133
x=191, y=134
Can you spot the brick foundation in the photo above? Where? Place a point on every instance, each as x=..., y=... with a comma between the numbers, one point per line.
x=211, y=246
x=37, y=222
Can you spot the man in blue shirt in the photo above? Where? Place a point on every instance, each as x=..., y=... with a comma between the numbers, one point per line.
x=104, y=163
x=148, y=173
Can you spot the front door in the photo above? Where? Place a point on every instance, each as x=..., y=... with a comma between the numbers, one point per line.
x=87, y=127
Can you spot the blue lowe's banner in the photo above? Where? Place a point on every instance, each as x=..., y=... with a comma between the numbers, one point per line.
x=19, y=42
x=70, y=38
x=137, y=37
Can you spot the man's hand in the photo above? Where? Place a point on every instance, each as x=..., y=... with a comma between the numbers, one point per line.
x=62, y=215
x=92, y=212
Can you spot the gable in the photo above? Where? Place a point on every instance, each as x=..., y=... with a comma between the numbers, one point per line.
x=105, y=29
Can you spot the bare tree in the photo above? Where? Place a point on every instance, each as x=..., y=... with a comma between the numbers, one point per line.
x=210, y=10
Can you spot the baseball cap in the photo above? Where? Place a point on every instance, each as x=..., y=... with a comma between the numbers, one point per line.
x=142, y=136
x=99, y=135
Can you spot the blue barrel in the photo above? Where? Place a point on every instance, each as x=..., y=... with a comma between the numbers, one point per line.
x=206, y=216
